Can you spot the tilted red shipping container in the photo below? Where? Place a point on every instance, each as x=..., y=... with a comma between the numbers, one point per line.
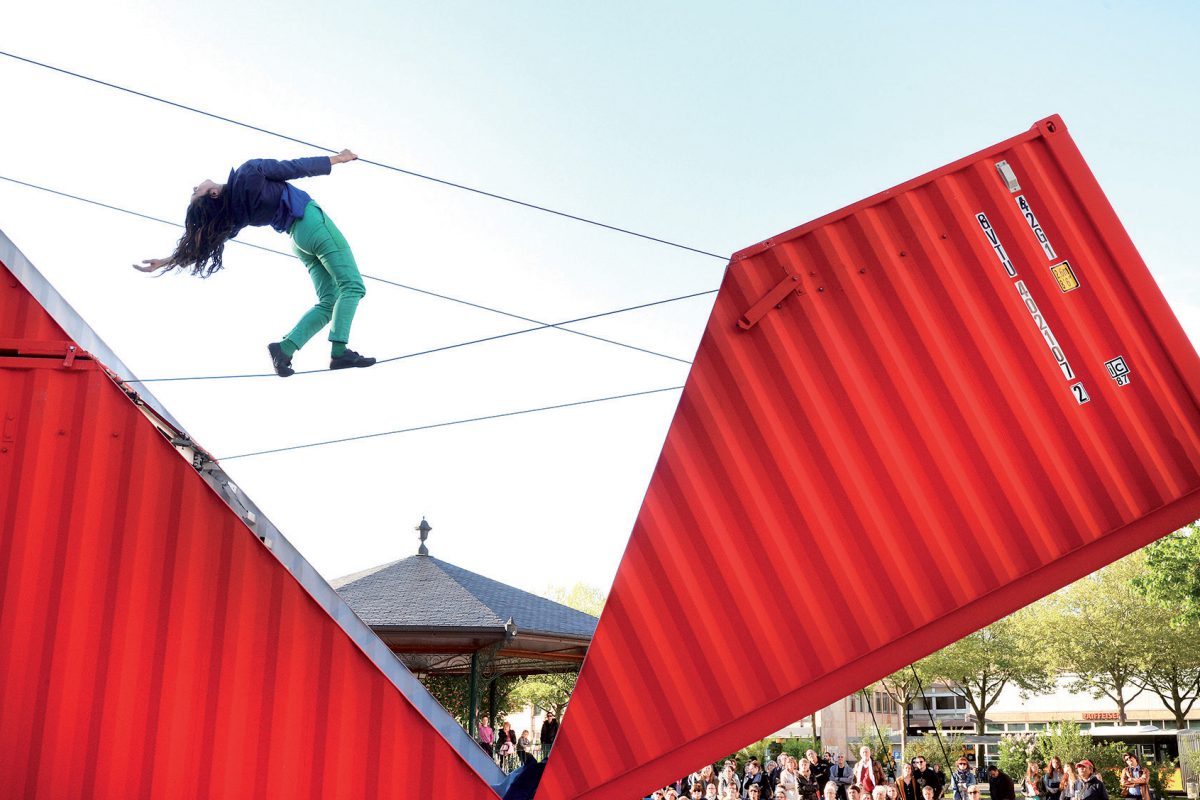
x=905, y=420
x=158, y=636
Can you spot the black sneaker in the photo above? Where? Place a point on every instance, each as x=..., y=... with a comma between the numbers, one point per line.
x=350, y=359
x=281, y=363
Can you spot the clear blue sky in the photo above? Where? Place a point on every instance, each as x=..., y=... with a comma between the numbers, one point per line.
x=716, y=125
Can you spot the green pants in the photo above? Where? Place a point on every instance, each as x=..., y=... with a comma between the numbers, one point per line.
x=324, y=251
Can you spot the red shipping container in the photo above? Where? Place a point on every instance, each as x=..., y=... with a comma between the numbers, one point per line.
x=158, y=636
x=906, y=419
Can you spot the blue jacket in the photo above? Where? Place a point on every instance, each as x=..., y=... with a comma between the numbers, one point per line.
x=258, y=195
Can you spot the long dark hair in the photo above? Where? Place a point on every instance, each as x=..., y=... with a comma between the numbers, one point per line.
x=205, y=230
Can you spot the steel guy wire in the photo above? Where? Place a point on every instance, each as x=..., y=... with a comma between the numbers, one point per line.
x=449, y=424
x=401, y=170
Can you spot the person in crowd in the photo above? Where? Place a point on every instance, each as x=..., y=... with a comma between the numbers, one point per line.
x=506, y=746
x=907, y=784
x=729, y=780
x=881, y=792
x=962, y=779
x=819, y=768
x=830, y=792
x=548, y=732
x=939, y=777
x=487, y=736
x=1089, y=786
x=1134, y=778
x=696, y=791
x=855, y=792
x=756, y=791
x=807, y=787
x=772, y=771
x=927, y=792
x=780, y=792
x=841, y=774
x=923, y=775
x=524, y=742
x=710, y=791
x=1031, y=785
x=755, y=777
x=789, y=777
x=893, y=789
x=867, y=772
x=1070, y=780
x=1000, y=786
x=708, y=776
x=1052, y=780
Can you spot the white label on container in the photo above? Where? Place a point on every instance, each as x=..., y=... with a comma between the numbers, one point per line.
x=1044, y=329
x=1035, y=226
x=1119, y=370
x=1081, y=395
x=994, y=241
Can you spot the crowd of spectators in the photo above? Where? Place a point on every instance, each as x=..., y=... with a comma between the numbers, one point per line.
x=830, y=777
x=511, y=751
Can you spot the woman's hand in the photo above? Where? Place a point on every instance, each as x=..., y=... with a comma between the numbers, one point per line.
x=343, y=157
x=152, y=264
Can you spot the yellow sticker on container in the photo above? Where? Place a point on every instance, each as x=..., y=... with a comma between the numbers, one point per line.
x=1065, y=276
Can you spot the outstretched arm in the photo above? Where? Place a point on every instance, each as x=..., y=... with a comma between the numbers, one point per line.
x=296, y=168
x=152, y=264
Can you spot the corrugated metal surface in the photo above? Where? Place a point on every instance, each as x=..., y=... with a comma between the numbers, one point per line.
x=150, y=644
x=892, y=457
x=22, y=318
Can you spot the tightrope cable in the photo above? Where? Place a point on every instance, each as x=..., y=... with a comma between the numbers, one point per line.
x=432, y=350
x=401, y=170
x=454, y=422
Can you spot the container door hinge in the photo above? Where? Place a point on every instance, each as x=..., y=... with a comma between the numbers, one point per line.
x=772, y=299
x=70, y=359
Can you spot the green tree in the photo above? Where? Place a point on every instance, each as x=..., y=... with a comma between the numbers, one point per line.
x=581, y=597
x=553, y=690
x=1172, y=578
x=903, y=687
x=1015, y=750
x=980, y=665
x=1102, y=651
x=880, y=742
x=937, y=747
x=1171, y=668
x=452, y=691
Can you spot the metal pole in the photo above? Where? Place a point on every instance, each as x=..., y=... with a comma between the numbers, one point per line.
x=492, y=701
x=473, y=701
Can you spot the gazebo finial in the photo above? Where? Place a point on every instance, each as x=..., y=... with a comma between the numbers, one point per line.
x=424, y=528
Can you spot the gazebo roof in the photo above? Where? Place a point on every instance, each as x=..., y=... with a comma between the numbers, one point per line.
x=431, y=613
